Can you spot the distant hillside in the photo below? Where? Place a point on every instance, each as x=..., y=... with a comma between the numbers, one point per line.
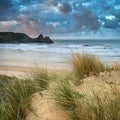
x=11, y=37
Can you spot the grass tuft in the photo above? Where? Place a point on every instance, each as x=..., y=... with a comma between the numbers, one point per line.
x=85, y=65
x=41, y=77
x=15, y=97
x=67, y=98
x=104, y=106
x=15, y=94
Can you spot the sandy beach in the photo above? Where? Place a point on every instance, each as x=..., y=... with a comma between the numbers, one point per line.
x=42, y=103
x=14, y=70
x=20, y=63
x=59, y=59
x=16, y=61
x=20, y=58
x=18, y=69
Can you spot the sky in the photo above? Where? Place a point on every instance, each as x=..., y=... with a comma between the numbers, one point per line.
x=62, y=18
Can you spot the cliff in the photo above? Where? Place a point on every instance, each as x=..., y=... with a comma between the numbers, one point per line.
x=11, y=37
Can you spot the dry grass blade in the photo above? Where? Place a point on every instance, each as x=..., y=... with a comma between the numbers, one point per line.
x=85, y=64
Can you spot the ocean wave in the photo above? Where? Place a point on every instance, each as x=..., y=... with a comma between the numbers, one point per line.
x=103, y=49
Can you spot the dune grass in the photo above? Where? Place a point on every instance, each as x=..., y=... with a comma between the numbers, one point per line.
x=15, y=98
x=15, y=94
x=86, y=64
x=98, y=106
x=41, y=76
x=104, y=106
x=67, y=98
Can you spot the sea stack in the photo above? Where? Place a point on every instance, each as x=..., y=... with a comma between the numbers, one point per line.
x=42, y=39
x=11, y=37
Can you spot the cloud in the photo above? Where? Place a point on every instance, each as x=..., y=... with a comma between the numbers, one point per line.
x=85, y=19
x=8, y=9
x=64, y=8
x=59, y=16
x=5, y=4
x=112, y=24
x=11, y=25
x=34, y=26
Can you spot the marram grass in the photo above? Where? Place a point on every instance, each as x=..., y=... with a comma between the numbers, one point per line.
x=15, y=94
x=67, y=98
x=86, y=64
x=15, y=98
x=98, y=106
x=41, y=76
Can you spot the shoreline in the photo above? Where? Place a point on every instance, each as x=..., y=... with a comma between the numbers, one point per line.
x=52, y=89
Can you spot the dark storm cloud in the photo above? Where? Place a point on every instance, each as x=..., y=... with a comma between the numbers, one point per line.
x=8, y=9
x=59, y=16
x=30, y=2
x=112, y=24
x=84, y=18
x=5, y=4
x=64, y=8
x=26, y=1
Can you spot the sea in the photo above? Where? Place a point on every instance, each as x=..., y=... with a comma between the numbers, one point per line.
x=60, y=52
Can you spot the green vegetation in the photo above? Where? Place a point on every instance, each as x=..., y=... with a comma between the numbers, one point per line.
x=85, y=64
x=98, y=106
x=67, y=98
x=106, y=106
x=15, y=93
x=15, y=98
x=41, y=77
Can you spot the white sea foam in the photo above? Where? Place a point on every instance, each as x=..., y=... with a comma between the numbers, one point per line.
x=60, y=51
